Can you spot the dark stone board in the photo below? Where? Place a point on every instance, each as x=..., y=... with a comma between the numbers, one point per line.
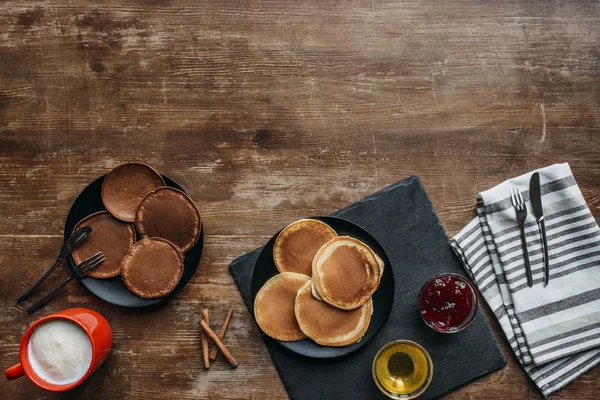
x=403, y=221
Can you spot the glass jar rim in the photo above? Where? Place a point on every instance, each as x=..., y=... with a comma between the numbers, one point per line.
x=472, y=312
x=418, y=391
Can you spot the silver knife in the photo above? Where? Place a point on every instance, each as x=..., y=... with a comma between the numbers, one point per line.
x=535, y=196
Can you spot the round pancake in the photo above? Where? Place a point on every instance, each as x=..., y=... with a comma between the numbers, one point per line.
x=152, y=268
x=125, y=186
x=274, y=306
x=112, y=237
x=345, y=272
x=381, y=267
x=328, y=325
x=298, y=243
x=170, y=214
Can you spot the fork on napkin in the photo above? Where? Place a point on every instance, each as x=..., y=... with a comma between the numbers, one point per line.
x=554, y=330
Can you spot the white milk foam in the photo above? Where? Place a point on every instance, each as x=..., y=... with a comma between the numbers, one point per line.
x=60, y=352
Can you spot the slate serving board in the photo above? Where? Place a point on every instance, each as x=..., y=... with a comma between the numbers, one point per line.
x=404, y=222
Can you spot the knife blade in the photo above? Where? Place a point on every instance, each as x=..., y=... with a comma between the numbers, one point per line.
x=71, y=244
x=75, y=240
x=535, y=196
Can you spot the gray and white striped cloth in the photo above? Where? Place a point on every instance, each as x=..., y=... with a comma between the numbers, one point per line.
x=554, y=330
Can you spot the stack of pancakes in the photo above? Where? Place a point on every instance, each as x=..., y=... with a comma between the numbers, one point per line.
x=166, y=219
x=324, y=287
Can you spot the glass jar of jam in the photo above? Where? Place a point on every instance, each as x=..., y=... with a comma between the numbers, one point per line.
x=448, y=302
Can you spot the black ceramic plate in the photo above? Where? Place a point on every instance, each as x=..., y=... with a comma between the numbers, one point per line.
x=113, y=290
x=382, y=299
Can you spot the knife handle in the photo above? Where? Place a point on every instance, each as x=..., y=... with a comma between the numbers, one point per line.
x=545, y=247
x=50, y=295
x=38, y=283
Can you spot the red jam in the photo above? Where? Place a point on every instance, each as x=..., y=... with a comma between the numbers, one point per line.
x=448, y=303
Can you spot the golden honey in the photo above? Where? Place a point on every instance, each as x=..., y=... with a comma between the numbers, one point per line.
x=402, y=369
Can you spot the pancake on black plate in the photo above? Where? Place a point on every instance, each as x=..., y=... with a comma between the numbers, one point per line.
x=152, y=268
x=170, y=214
x=328, y=325
x=298, y=243
x=125, y=186
x=345, y=273
x=112, y=237
x=274, y=306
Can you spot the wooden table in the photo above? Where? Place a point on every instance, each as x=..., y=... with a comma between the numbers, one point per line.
x=269, y=111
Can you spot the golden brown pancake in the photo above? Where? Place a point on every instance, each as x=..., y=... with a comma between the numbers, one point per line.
x=152, y=268
x=298, y=243
x=125, y=186
x=112, y=237
x=274, y=306
x=381, y=267
x=345, y=273
x=328, y=325
x=170, y=214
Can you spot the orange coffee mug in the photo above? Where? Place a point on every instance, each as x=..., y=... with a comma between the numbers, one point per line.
x=97, y=330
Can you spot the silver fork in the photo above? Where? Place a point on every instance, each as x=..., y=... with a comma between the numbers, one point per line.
x=521, y=209
x=79, y=271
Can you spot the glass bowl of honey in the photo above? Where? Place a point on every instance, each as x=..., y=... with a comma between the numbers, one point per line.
x=402, y=369
x=448, y=302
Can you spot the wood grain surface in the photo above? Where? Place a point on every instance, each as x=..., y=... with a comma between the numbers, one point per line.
x=269, y=111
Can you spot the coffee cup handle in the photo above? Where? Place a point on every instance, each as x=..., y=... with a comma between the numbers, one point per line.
x=14, y=372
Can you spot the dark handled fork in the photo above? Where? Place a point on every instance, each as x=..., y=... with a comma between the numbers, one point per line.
x=79, y=271
x=521, y=209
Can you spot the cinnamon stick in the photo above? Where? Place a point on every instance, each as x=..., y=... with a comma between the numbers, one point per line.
x=215, y=350
x=204, y=339
x=219, y=344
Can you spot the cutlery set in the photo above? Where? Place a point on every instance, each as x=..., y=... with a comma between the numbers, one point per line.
x=520, y=206
x=80, y=271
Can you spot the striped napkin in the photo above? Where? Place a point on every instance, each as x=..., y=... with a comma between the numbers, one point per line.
x=554, y=330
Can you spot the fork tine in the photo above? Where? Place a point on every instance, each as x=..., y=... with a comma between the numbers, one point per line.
x=521, y=197
x=90, y=259
x=96, y=261
x=520, y=200
x=512, y=197
x=93, y=265
x=92, y=262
